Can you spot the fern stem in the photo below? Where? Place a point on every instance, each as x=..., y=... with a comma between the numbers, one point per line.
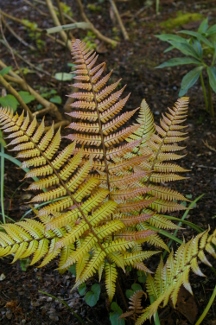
x=206, y=310
x=65, y=304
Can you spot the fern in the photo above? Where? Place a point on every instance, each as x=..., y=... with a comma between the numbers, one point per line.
x=126, y=159
x=135, y=305
x=168, y=278
x=77, y=225
x=103, y=191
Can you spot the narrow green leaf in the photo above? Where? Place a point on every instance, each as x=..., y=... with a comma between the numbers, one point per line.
x=185, y=48
x=178, y=61
x=203, y=26
x=198, y=48
x=171, y=37
x=168, y=49
x=198, y=36
x=211, y=31
x=211, y=71
x=189, y=80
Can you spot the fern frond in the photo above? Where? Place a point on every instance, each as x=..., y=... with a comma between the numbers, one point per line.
x=170, y=277
x=110, y=279
x=161, y=146
x=135, y=305
x=29, y=238
x=146, y=122
x=102, y=191
x=102, y=135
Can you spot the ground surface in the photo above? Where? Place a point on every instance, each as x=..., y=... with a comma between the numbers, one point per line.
x=133, y=61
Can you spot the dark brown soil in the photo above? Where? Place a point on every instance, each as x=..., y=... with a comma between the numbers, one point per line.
x=21, y=301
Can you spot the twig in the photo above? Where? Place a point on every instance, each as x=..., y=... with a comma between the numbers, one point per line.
x=35, y=7
x=27, y=62
x=16, y=35
x=62, y=19
x=37, y=29
x=13, y=77
x=55, y=8
x=94, y=30
x=57, y=125
x=15, y=94
x=57, y=23
x=115, y=10
x=51, y=109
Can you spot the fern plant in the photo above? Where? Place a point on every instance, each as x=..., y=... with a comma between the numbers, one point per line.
x=106, y=192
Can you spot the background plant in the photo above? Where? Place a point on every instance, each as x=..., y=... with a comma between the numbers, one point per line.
x=199, y=49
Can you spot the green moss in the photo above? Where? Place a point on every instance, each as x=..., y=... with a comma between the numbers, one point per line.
x=181, y=19
x=94, y=8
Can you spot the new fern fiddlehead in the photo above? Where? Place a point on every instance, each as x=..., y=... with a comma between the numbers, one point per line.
x=104, y=190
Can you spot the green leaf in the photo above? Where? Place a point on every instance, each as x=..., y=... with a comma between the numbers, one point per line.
x=171, y=37
x=5, y=71
x=82, y=289
x=72, y=269
x=198, y=48
x=9, y=101
x=92, y=296
x=168, y=49
x=198, y=36
x=63, y=76
x=115, y=314
x=56, y=99
x=185, y=48
x=129, y=293
x=189, y=80
x=211, y=71
x=203, y=26
x=135, y=287
x=178, y=61
x=211, y=31
x=26, y=96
